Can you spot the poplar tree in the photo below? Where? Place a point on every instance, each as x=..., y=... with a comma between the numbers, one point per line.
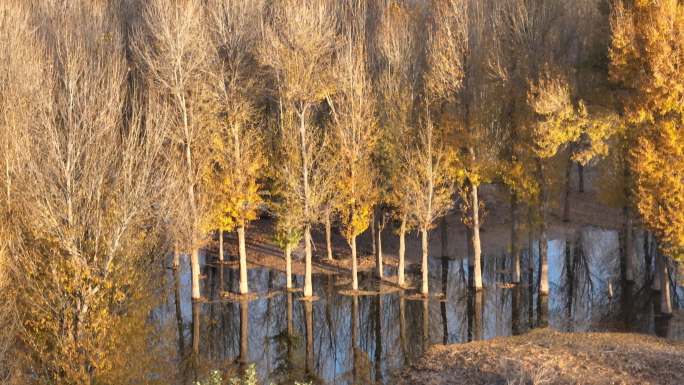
x=298, y=47
x=645, y=53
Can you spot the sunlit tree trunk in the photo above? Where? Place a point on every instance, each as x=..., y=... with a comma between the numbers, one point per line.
x=475, y=238
x=543, y=245
x=221, y=255
x=665, y=301
x=402, y=251
x=379, y=273
x=425, y=262
x=355, y=278
x=288, y=266
x=515, y=242
x=195, y=273
x=328, y=234
x=244, y=288
x=308, y=289
x=176, y=256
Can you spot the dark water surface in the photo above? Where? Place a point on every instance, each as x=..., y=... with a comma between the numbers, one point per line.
x=342, y=339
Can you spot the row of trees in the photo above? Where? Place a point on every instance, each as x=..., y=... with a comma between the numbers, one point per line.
x=130, y=128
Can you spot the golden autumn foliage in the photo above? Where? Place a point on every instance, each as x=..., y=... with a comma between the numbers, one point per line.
x=646, y=53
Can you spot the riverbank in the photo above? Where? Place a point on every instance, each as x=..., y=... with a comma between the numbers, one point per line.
x=544, y=356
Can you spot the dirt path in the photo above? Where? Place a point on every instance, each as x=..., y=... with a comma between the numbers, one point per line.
x=545, y=356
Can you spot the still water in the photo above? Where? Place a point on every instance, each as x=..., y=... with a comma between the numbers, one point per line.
x=342, y=339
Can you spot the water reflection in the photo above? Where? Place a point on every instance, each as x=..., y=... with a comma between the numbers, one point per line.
x=341, y=339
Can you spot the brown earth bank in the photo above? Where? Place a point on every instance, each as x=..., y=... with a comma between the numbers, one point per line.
x=544, y=356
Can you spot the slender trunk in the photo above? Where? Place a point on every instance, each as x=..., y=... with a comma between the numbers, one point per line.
x=515, y=244
x=195, y=272
x=328, y=234
x=665, y=301
x=580, y=176
x=308, y=289
x=475, y=240
x=629, y=246
x=221, y=255
x=244, y=288
x=288, y=266
x=543, y=245
x=176, y=256
x=425, y=266
x=355, y=278
x=402, y=251
x=379, y=273
x=195, y=331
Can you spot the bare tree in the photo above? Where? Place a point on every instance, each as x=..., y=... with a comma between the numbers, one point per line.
x=86, y=221
x=398, y=84
x=355, y=135
x=171, y=46
x=430, y=182
x=298, y=47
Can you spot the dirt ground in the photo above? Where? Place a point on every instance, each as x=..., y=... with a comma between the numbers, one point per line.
x=544, y=356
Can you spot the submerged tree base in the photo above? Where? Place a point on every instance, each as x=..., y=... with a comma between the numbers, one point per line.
x=547, y=356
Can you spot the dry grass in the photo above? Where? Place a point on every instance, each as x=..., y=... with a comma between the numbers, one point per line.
x=547, y=357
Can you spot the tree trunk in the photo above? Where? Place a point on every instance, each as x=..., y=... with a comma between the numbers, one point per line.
x=244, y=287
x=543, y=245
x=308, y=289
x=221, y=245
x=656, y=269
x=425, y=266
x=543, y=262
x=355, y=278
x=195, y=272
x=580, y=177
x=379, y=273
x=288, y=266
x=475, y=240
x=566, y=200
x=515, y=244
x=328, y=235
x=402, y=251
x=176, y=256
x=629, y=246
x=665, y=301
